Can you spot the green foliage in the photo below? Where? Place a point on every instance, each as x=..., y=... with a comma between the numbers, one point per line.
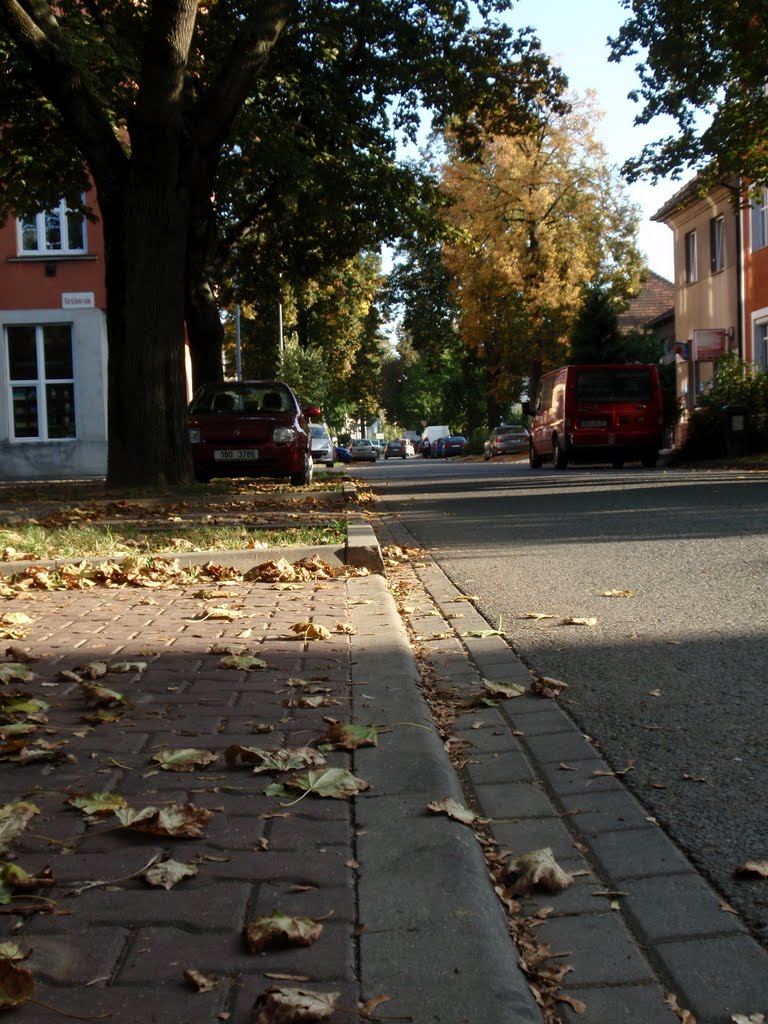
x=734, y=384
x=702, y=64
x=596, y=338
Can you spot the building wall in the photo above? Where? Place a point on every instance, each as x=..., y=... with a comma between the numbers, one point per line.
x=711, y=301
x=755, y=297
x=56, y=290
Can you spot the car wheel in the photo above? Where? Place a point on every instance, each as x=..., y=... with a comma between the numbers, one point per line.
x=304, y=476
x=330, y=464
x=533, y=457
x=559, y=454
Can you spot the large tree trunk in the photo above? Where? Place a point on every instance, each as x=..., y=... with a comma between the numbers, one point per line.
x=147, y=390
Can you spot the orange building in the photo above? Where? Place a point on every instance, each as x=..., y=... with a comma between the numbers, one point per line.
x=53, y=369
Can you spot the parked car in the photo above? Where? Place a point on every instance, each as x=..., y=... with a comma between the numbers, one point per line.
x=508, y=439
x=605, y=412
x=378, y=445
x=250, y=428
x=395, y=450
x=362, y=450
x=343, y=454
x=453, y=445
x=321, y=445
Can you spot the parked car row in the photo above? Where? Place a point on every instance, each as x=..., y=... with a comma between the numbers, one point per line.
x=507, y=439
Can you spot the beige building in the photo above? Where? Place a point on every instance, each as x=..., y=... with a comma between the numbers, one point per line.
x=707, y=245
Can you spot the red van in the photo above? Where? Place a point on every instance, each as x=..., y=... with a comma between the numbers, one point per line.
x=598, y=413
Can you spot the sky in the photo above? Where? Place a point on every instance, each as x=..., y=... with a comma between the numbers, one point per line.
x=574, y=34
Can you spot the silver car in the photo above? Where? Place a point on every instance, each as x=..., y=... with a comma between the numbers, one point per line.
x=321, y=445
x=362, y=450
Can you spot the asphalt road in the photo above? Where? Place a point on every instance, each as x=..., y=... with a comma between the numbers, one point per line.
x=673, y=680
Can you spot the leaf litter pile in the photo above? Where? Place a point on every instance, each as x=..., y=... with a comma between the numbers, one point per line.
x=97, y=746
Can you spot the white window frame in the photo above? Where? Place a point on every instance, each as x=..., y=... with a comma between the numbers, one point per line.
x=40, y=384
x=717, y=244
x=62, y=212
x=760, y=339
x=690, y=249
x=758, y=221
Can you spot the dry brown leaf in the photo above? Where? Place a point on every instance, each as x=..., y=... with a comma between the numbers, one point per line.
x=543, y=686
x=281, y=931
x=753, y=869
x=294, y=1006
x=311, y=631
x=685, y=1016
x=539, y=615
x=367, y=1009
x=536, y=869
x=576, y=1004
x=572, y=620
x=453, y=809
x=200, y=982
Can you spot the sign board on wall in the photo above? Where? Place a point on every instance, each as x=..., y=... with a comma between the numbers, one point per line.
x=78, y=300
x=709, y=345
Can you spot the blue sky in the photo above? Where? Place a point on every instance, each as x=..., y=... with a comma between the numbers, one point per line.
x=575, y=35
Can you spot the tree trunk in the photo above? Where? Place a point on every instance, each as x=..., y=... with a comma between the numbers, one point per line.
x=147, y=390
x=205, y=334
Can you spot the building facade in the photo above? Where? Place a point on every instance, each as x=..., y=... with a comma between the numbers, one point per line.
x=53, y=332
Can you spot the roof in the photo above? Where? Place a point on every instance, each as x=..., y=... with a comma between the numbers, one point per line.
x=655, y=300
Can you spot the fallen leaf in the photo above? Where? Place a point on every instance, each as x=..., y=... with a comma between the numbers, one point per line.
x=246, y=662
x=453, y=809
x=539, y=615
x=685, y=1016
x=367, y=1009
x=200, y=982
x=95, y=804
x=280, y=931
x=499, y=689
x=536, y=869
x=128, y=666
x=753, y=1018
x=753, y=869
x=617, y=593
x=294, y=1006
x=16, y=985
x=654, y=693
x=727, y=908
x=282, y=760
x=336, y=783
x=167, y=873
x=311, y=631
x=184, y=821
x=348, y=736
x=576, y=1004
x=14, y=818
x=571, y=620
x=101, y=696
x=186, y=759
x=345, y=627
x=14, y=672
x=543, y=686
x=483, y=634
x=228, y=614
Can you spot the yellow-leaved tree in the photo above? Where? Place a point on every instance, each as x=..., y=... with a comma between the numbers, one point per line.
x=536, y=217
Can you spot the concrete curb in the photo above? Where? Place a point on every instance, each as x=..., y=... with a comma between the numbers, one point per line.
x=436, y=937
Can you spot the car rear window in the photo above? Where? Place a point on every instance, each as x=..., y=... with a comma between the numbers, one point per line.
x=618, y=384
x=243, y=399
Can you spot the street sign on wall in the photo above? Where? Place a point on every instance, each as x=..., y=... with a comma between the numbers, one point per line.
x=709, y=344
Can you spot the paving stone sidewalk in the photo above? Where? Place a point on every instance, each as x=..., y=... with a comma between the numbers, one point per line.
x=405, y=902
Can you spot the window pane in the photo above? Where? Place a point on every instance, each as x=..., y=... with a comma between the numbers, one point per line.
x=52, y=229
x=29, y=234
x=25, y=421
x=57, y=345
x=60, y=406
x=22, y=352
x=75, y=230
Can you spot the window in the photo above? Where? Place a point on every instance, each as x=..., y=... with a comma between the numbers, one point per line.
x=761, y=346
x=691, y=264
x=40, y=370
x=716, y=244
x=758, y=215
x=51, y=232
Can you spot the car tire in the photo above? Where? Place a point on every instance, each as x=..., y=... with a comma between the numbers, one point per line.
x=533, y=457
x=559, y=454
x=304, y=476
x=330, y=464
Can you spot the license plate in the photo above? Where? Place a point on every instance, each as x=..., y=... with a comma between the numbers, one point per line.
x=236, y=454
x=594, y=423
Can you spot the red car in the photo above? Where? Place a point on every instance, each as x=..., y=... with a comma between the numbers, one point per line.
x=250, y=428
x=454, y=445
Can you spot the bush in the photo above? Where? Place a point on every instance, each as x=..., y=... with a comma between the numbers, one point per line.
x=734, y=383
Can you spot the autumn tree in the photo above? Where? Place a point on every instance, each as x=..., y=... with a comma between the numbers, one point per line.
x=538, y=215
x=703, y=65
x=147, y=100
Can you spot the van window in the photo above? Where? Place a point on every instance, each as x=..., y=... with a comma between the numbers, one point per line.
x=614, y=384
x=545, y=395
